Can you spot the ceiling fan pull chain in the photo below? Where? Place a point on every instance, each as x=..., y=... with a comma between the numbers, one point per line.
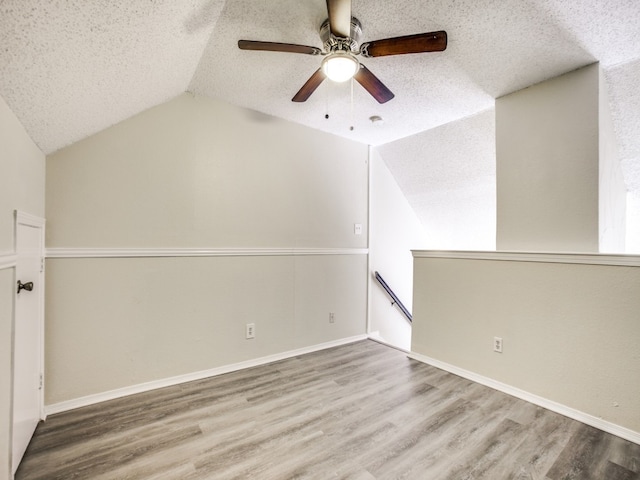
x=326, y=101
x=351, y=127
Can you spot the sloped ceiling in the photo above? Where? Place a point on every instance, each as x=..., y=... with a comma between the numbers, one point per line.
x=448, y=176
x=70, y=68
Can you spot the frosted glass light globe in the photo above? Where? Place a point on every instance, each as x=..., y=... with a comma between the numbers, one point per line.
x=340, y=67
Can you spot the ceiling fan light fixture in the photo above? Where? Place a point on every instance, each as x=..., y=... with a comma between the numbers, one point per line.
x=339, y=66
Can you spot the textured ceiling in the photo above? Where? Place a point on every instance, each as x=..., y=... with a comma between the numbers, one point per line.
x=70, y=68
x=448, y=175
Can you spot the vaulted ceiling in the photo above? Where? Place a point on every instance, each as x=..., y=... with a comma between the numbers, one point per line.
x=70, y=68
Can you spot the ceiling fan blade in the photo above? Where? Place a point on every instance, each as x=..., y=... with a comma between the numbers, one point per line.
x=422, y=42
x=339, y=17
x=309, y=87
x=373, y=85
x=277, y=47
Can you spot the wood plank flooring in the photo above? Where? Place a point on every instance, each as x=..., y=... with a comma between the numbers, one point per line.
x=362, y=411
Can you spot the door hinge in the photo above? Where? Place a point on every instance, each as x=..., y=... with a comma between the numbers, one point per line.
x=41, y=264
x=41, y=382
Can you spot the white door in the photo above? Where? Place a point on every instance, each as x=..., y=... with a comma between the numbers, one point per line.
x=28, y=332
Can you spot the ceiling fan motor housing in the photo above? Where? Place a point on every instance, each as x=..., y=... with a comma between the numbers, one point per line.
x=336, y=44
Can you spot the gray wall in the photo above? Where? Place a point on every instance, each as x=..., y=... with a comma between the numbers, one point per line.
x=547, y=165
x=195, y=173
x=570, y=330
x=22, y=173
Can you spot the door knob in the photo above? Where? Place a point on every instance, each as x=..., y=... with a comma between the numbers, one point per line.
x=25, y=286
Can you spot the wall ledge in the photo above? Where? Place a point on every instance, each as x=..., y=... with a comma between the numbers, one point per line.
x=537, y=257
x=196, y=252
x=556, y=407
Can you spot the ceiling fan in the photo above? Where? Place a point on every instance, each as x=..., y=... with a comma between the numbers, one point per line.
x=340, y=35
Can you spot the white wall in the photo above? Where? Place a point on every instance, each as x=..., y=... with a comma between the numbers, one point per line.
x=196, y=173
x=622, y=88
x=632, y=243
x=570, y=331
x=547, y=165
x=22, y=172
x=7, y=284
x=448, y=175
x=612, y=193
x=23, y=177
x=395, y=231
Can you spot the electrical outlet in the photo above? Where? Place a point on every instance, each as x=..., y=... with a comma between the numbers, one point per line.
x=497, y=344
x=251, y=331
x=357, y=229
x=332, y=317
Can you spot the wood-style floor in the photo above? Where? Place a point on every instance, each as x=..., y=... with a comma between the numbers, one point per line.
x=361, y=411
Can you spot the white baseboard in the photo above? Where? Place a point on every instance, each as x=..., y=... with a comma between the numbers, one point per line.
x=569, y=412
x=376, y=337
x=189, y=377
